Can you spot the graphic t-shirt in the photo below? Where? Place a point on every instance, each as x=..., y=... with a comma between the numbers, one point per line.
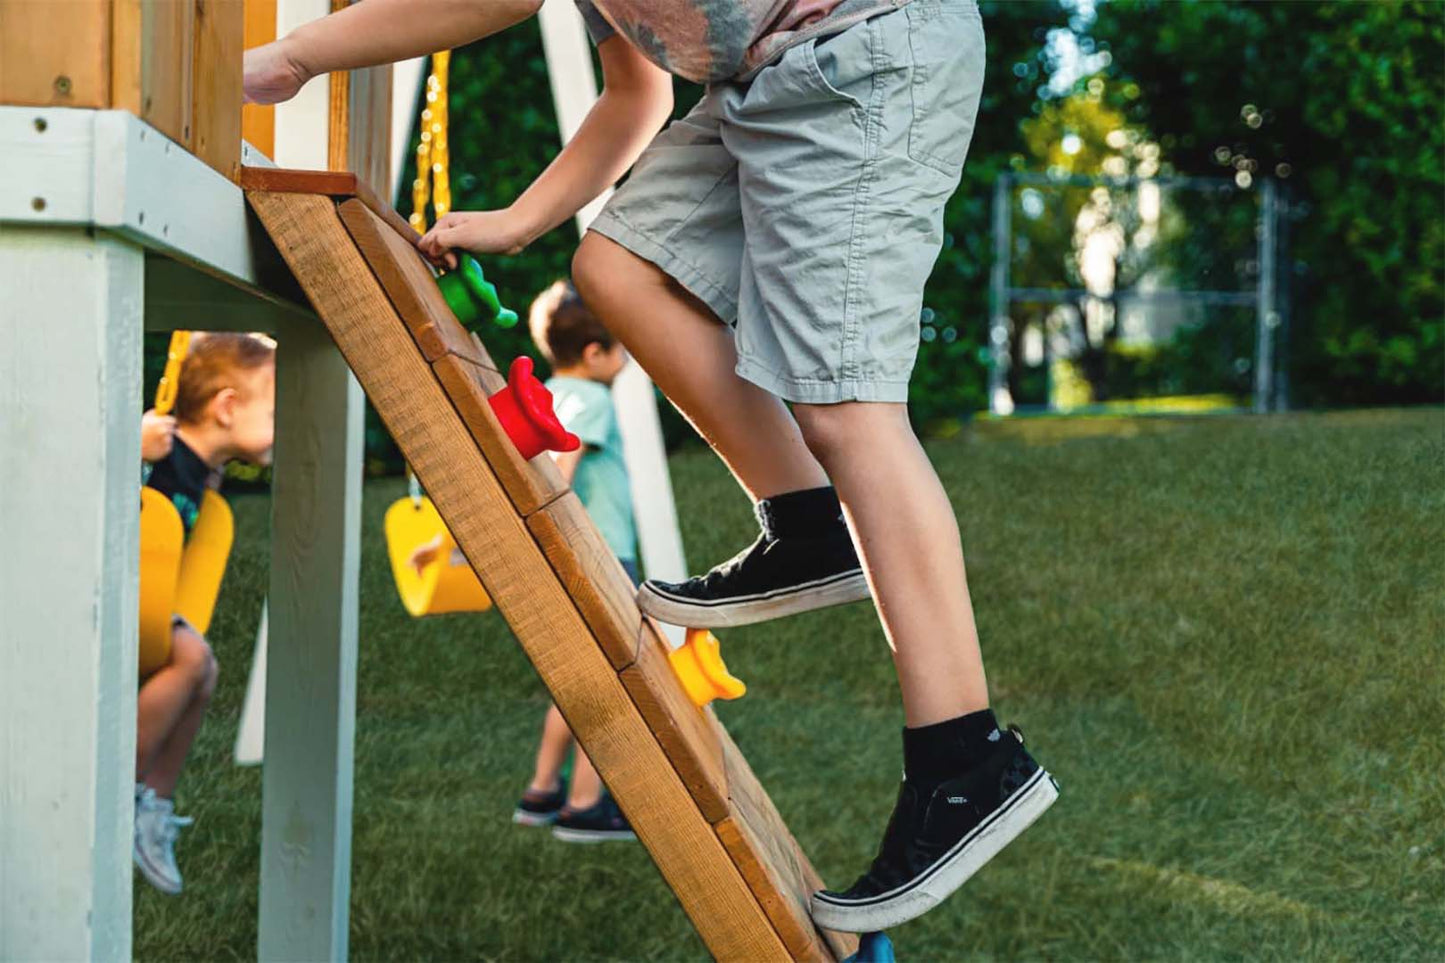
x=585, y=409
x=181, y=476
x=713, y=40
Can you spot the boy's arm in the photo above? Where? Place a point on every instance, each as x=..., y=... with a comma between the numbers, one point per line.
x=636, y=100
x=371, y=33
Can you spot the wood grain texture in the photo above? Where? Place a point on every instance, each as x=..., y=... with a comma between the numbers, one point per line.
x=310, y=236
x=332, y=183
x=529, y=484
x=152, y=61
x=688, y=735
x=592, y=576
x=409, y=284
x=772, y=862
x=216, y=85
x=44, y=66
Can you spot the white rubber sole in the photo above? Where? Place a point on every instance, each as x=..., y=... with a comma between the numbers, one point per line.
x=523, y=818
x=967, y=857
x=763, y=607
x=152, y=875
x=585, y=836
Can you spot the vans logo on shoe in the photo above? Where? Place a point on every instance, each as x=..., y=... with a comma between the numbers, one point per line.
x=958, y=800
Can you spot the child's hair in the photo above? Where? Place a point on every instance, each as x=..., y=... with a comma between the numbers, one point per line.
x=563, y=326
x=215, y=362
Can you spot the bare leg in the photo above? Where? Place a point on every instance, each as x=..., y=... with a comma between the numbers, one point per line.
x=166, y=767
x=691, y=356
x=907, y=537
x=586, y=788
x=165, y=696
x=551, y=753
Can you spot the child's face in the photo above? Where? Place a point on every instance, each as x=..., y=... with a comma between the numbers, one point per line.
x=253, y=417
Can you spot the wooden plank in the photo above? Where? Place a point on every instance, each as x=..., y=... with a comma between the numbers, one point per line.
x=529, y=484
x=216, y=85
x=309, y=234
x=258, y=121
x=772, y=862
x=67, y=711
x=589, y=571
x=688, y=735
x=337, y=184
x=311, y=668
x=42, y=64
x=151, y=67
x=410, y=286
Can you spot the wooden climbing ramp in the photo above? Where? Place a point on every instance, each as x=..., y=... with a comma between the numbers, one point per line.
x=687, y=790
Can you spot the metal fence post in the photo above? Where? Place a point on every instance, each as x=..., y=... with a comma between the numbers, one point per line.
x=1267, y=319
x=999, y=402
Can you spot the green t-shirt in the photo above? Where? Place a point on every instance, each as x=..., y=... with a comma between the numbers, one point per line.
x=585, y=409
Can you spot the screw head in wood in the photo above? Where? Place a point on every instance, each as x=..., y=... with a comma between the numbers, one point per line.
x=62, y=85
x=37, y=203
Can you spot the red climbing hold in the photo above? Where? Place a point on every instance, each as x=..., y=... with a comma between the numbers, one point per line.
x=524, y=408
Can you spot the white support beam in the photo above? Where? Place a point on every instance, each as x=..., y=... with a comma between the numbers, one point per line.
x=311, y=675
x=574, y=91
x=70, y=372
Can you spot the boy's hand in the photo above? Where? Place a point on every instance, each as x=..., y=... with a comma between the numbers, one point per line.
x=270, y=74
x=481, y=232
x=157, y=435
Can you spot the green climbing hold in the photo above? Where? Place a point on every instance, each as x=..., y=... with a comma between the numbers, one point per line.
x=472, y=298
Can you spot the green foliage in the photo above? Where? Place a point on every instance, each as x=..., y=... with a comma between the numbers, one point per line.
x=1345, y=103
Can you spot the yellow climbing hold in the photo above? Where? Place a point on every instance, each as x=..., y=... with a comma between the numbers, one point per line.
x=700, y=668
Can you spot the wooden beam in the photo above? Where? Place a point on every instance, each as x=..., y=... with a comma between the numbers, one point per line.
x=337, y=184
x=216, y=85
x=43, y=65
x=71, y=371
x=311, y=661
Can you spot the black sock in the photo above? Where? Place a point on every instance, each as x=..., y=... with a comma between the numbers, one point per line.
x=803, y=514
x=933, y=754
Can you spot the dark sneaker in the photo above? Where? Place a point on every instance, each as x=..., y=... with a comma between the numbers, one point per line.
x=934, y=844
x=540, y=808
x=782, y=573
x=598, y=824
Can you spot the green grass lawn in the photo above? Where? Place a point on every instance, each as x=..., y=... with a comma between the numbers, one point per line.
x=1223, y=635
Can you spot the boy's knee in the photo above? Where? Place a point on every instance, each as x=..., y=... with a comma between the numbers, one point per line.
x=192, y=654
x=832, y=429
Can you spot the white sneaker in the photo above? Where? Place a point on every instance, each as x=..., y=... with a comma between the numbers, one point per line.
x=156, y=827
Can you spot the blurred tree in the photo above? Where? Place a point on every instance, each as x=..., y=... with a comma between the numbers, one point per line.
x=1343, y=103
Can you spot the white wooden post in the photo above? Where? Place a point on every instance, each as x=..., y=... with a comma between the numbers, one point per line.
x=311, y=675
x=574, y=91
x=70, y=372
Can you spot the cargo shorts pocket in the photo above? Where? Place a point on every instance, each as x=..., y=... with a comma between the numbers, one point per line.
x=946, y=40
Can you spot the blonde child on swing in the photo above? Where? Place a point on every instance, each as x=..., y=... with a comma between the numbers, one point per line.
x=224, y=410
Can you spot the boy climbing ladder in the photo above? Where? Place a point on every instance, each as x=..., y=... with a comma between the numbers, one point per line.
x=772, y=247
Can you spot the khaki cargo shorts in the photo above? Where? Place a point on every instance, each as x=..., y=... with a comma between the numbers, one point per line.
x=805, y=208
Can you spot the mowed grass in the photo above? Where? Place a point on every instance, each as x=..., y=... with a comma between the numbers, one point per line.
x=1223, y=635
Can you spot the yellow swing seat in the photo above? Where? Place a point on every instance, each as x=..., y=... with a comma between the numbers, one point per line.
x=179, y=577
x=448, y=583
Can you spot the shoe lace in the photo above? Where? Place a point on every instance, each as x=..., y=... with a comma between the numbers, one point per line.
x=170, y=827
x=725, y=570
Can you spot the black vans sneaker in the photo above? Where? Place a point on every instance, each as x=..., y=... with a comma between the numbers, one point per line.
x=934, y=843
x=598, y=824
x=540, y=808
x=803, y=560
